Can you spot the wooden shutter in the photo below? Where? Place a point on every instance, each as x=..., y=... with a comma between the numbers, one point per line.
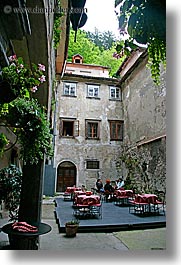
x=61, y=128
x=76, y=128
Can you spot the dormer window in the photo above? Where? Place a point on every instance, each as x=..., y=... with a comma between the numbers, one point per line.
x=77, y=58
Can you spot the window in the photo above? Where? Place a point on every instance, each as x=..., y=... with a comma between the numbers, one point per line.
x=116, y=130
x=69, y=89
x=92, y=129
x=93, y=91
x=115, y=92
x=77, y=60
x=92, y=164
x=69, y=128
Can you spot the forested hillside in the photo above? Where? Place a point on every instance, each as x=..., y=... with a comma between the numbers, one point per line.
x=96, y=48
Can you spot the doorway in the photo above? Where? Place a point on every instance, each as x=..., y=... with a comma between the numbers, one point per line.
x=66, y=176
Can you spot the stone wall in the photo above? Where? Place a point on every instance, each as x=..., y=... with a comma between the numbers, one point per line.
x=144, y=106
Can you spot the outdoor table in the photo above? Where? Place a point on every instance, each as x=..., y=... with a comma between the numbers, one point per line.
x=25, y=240
x=68, y=194
x=77, y=193
x=87, y=205
x=143, y=203
x=149, y=198
x=88, y=199
x=121, y=196
x=72, y=189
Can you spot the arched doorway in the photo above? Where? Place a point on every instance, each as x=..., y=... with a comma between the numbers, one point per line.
x=66, y=176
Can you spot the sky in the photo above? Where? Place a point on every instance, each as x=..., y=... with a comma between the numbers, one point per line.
x=102, y=16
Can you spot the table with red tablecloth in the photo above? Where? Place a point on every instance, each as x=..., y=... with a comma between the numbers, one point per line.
x=145, y=204
x=122, y=197
x=76, y=194
x=87, y=206
x=68, y=194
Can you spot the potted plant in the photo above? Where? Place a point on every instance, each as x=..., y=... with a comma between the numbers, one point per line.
x=29, y=122
x=71, y=228
x=18, y=80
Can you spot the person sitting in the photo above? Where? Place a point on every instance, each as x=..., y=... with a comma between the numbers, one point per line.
x=99, y=185
x=120, y=183
x=108, y=190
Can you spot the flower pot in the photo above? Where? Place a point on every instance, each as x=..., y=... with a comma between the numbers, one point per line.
x=6, y=92
x=71, y=230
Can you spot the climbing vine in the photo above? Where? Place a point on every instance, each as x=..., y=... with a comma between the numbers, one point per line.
x=135, y=162
x=142, y=23
x=56, y=27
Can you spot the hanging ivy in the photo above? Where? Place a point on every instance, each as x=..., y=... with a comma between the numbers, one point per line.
x=56, y=27
x=143, y=22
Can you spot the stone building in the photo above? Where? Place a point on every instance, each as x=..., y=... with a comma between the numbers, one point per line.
x=89, y=125
x=99, y=120
x=144, y=112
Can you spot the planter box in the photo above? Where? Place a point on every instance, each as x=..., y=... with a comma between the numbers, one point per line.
x=71, y=230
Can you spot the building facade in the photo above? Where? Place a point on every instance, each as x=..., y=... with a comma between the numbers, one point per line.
x=89, y=125
x=107, y=127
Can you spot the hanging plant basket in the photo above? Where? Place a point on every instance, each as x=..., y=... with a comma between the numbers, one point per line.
x=7, y=93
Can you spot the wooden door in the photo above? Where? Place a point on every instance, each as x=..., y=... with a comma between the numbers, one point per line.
x=66, y=176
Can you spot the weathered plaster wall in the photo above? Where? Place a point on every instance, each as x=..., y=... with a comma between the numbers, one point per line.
x=79, y=149
x=144, y=106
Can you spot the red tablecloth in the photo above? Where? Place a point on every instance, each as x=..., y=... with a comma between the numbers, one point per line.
x=72, y=189
x=126, y=193
x=87, y=200
x=146, y=198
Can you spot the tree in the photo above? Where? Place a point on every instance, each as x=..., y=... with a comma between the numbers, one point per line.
x=83, y=46
x=104, y=40
x=92, y=54
x=144, y=22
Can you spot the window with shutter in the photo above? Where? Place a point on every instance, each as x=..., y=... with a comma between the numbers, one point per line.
x=69, y=128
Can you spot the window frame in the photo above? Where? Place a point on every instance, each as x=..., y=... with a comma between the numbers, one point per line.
x=117, y=123
x=75, y=127
x=93, y=86
x=93, y=161
x=115, y=92
x=69, y=89
x=87, y=124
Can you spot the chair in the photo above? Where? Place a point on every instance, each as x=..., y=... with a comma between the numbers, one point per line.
x=160, y=203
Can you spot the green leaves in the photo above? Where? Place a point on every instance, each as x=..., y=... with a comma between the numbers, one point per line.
x=157, y=54
x=145, y=23
x=32, y=129
x=11, y=181
x=3, y=142
x=92, y=53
